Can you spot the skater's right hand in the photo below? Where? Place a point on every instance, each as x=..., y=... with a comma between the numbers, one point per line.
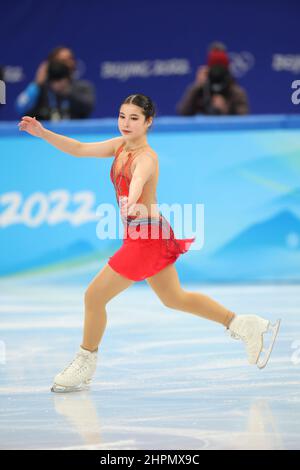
x=31, y=125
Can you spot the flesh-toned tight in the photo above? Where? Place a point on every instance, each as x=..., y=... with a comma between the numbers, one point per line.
x=108, y=283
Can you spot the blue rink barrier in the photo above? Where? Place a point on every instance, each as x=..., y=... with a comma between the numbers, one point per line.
x=244, y=172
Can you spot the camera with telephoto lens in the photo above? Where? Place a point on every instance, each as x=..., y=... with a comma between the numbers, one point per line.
x=219, y=79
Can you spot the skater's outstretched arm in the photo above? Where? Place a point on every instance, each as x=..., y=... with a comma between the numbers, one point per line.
x=68, y=145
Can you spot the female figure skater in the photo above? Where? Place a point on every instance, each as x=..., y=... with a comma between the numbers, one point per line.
x=134, y=173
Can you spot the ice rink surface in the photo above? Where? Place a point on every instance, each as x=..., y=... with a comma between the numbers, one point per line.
x=165, y=379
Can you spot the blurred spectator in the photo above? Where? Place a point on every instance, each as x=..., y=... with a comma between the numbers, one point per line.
x=214, y=91
x=56, y=94
x=3, y=96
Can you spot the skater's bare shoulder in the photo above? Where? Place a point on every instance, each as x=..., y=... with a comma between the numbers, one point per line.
x=146, y=154
x=145, y=165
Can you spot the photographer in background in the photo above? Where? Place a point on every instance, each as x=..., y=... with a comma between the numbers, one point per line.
x=215, y=91
x=2, y=92
x=56, y=94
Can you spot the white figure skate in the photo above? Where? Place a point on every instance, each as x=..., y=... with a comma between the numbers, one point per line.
x=78, y=374
x=251, y=329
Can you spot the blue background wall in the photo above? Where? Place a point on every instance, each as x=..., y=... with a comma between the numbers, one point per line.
x=165, y=40
x=246, y=172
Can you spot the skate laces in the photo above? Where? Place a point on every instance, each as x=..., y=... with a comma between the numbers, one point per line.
x=234, y=335
x=238, y=326
x=77, y=362
x=238, y=336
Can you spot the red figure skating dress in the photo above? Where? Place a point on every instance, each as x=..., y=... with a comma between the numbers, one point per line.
x=149, y=244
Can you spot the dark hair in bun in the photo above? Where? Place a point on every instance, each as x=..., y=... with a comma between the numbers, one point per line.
x=143, y=102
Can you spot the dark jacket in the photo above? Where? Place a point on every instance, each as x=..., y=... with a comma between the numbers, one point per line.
x=44, y=104
x=196, y=100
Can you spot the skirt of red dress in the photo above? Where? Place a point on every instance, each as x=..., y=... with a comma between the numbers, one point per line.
x=149, y=245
